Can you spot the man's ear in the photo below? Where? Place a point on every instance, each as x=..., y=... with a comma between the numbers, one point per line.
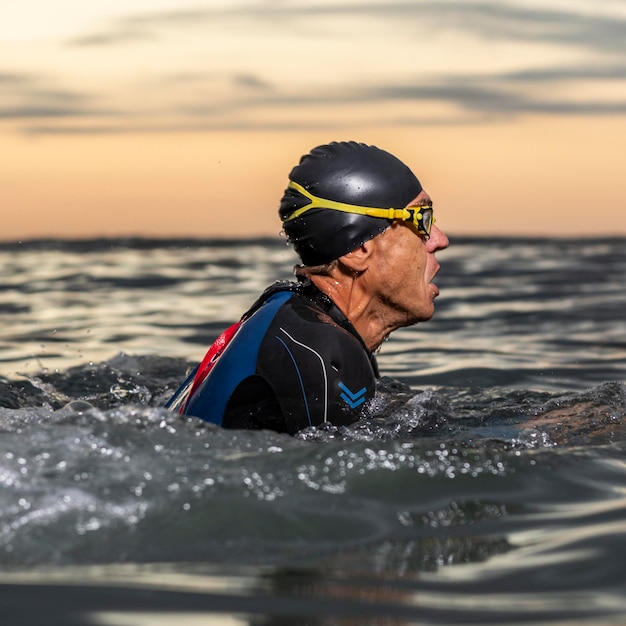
x=359, y=259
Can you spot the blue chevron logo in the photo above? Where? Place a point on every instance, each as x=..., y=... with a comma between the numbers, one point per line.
x=352, y=398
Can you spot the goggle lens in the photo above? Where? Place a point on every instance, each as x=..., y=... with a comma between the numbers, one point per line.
x=423, y=218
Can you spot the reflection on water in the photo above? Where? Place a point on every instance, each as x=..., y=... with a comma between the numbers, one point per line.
x=468, y=594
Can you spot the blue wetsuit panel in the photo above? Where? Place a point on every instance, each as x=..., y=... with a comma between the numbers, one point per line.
x=236, y=363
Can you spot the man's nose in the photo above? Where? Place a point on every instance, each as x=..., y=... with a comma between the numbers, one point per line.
x=437, y=240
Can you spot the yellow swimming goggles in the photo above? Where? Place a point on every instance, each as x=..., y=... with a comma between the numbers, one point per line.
x=421, y=216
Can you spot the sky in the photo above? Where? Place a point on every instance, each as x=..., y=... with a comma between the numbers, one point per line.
x=173, y=118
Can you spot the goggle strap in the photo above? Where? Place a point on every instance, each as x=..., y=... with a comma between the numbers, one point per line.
x=322, y=203
x=390, y=214
x=410, y=214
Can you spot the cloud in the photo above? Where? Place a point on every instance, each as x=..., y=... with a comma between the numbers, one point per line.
x=498, y=94
x=477, y=100
x=28, y=97
x=251, y=81
x=113, y=37
x=484, y=19
x=41, y=111
x=517, y=23
x=476, y=97
x=192, y=99
x=588, y=73
x=8, y=79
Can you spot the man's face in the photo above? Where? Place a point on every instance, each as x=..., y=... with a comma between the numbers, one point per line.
x=405, y=268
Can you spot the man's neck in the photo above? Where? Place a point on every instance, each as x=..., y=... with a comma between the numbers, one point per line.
x=366, y=314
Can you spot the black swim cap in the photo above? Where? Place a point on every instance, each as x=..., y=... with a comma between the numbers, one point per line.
x=348, y=172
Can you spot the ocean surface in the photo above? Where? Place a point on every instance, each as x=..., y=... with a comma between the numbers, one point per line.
x=488, y=486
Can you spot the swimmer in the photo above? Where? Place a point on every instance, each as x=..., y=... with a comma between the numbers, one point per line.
x=303, y=354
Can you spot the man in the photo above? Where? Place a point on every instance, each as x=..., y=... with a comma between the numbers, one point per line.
x=303, y=354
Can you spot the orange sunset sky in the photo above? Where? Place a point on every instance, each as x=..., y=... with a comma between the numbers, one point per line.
x=174, y=118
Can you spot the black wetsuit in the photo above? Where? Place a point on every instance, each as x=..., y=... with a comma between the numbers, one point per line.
x=296, y=361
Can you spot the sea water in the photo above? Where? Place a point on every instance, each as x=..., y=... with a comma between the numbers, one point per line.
x=488, y=485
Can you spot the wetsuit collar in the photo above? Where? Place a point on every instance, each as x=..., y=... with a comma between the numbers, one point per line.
x=308, y=289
